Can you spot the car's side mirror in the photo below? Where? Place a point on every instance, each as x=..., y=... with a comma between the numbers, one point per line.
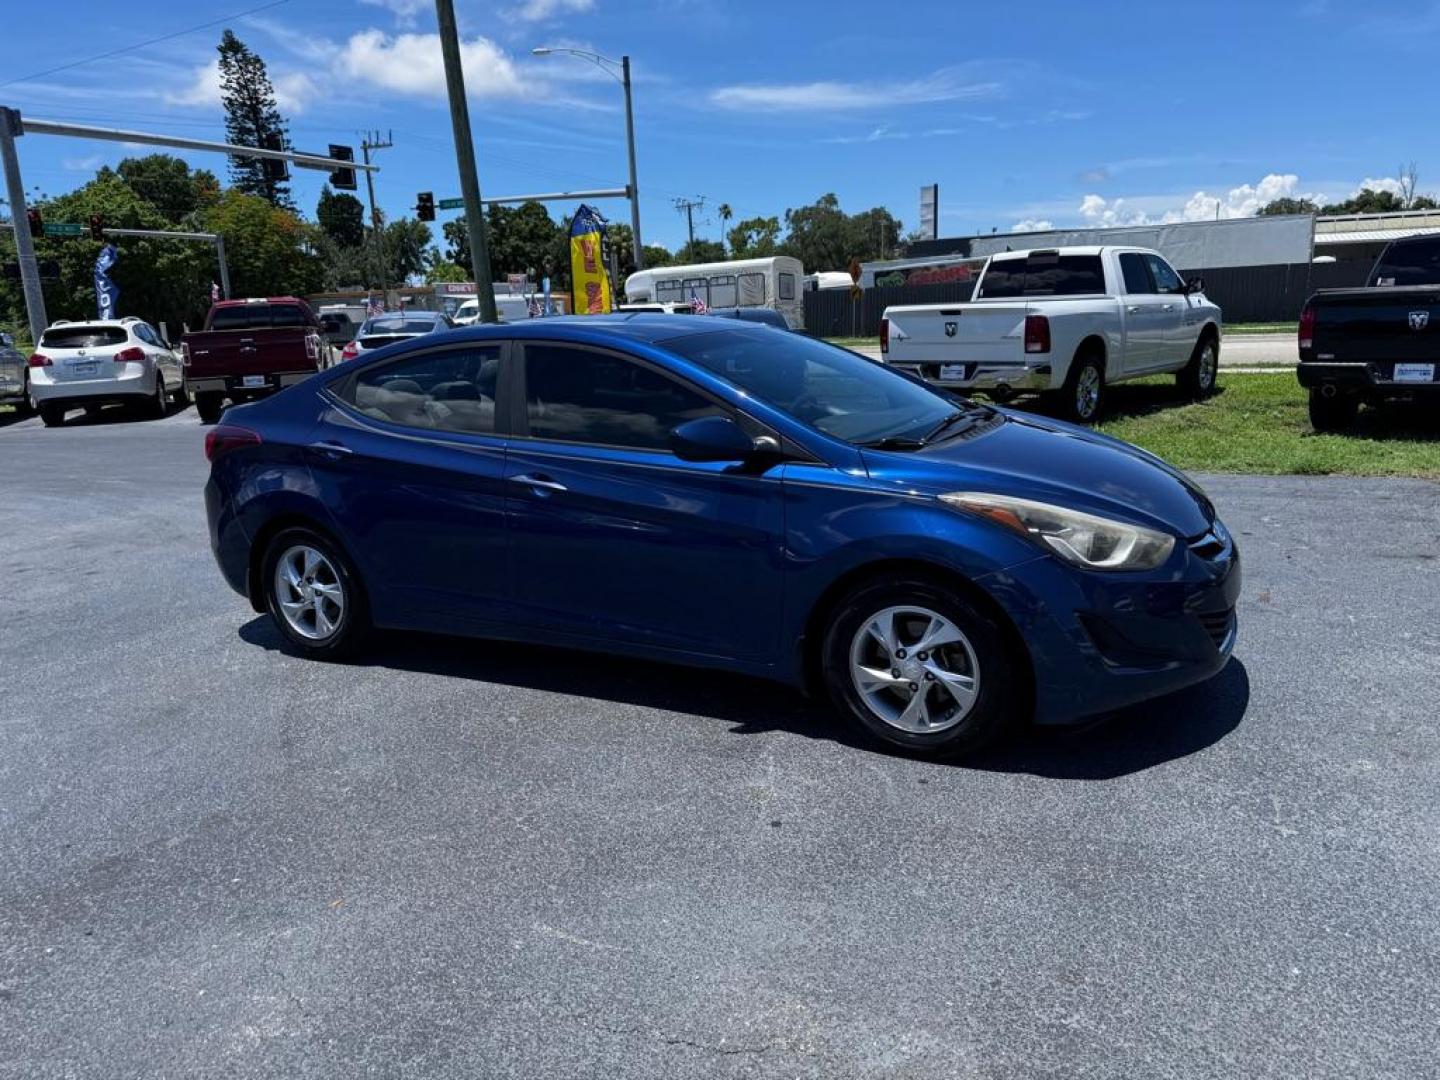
x=712, y=438
x=1195, y=285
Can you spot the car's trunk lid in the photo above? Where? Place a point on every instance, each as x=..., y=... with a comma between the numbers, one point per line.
x=1378, y=323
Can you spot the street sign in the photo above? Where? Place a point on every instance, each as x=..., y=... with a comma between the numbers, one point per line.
x=855, y=270
x=451, y=204
x=63, y=228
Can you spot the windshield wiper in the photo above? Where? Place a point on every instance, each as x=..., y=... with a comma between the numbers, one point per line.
x=894, y=442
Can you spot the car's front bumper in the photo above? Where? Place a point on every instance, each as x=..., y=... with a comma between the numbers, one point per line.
x=1099, y=641
x=1026, y=376
x=1376, y=376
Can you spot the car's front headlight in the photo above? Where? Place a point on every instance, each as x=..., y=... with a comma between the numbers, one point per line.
x=1094, y=543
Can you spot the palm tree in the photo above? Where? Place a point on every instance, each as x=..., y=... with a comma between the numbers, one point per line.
x=725, y=215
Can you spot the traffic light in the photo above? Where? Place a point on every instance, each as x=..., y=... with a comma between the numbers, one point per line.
x=425, y=206
x=276, y=170
x=342, y=179
x=37, y=223
x=97, y=227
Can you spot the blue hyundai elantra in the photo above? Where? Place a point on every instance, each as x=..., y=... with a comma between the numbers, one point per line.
x=714, y=493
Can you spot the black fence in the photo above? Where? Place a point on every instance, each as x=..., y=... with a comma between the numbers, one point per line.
x=1244, y=294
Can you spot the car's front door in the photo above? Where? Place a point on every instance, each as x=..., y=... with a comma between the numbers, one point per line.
x=1179, y=336
x=412, y=464
x=614, y=538
x=1144, y=315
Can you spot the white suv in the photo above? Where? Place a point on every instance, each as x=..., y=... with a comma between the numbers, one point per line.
x=101, y=362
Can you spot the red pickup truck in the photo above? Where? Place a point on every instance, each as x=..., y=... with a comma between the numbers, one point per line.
x=250, y=348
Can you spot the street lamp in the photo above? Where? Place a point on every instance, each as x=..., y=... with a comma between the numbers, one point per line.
x=605, y=64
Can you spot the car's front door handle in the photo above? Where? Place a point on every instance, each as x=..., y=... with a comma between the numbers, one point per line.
x=1135, y=310
x=332, y=450
x=542, y=482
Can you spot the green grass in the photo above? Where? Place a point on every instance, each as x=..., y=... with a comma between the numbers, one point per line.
x=1262, y=328
x=854, y=342
x=1258, y=424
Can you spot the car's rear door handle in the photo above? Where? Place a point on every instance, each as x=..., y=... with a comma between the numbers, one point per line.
x=541, y=481
x=332, y=450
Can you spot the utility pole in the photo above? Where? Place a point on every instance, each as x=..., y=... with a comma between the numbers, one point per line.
x=367, y=143
x=688, y=208
x=465, y=159
x=24, y=243
x=634, y=183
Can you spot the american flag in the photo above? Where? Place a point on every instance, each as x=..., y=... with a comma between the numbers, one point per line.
x=214, y=292
x=698, y=306
x=373, y=306
x=534, y=308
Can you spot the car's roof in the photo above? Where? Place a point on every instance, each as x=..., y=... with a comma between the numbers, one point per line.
x=639, y=326
x=257, y=300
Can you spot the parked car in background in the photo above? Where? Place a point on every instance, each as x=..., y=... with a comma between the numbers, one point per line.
x=1377, y=344
x=250, y=348
x=763, y=316
x=711, y=492
x=381, y=330
x=1065, y=321
x=103, y=362
x=14, y=378
x=509, y=308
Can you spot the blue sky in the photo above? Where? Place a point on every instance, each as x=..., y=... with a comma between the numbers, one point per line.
x=1063, y=113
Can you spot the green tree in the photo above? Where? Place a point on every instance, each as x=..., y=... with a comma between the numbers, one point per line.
x=342, y=217
x=270, y=250
x=1367, y=201
x=251, y=118
x=725, y=213
x=166, y=183
x=442, y=269
x=872, y=234
x=1287, y=205
x=656, y=255
x=755, y=238
x=457, y=241
x=700, y=251
x=520, y=237
x=818, y=235
x=407, y=245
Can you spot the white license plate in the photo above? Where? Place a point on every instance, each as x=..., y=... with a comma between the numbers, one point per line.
x=1414, y=372
x=952, y=372
x=85, y=367
x=253, y=381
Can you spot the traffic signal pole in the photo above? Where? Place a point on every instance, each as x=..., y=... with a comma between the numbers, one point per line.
x=24, y=242
x=376, y=226
x=465, y=158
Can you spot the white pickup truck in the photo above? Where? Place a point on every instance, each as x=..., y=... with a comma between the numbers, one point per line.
x=1064, y=320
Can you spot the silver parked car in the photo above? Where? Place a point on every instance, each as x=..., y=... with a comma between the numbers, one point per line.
x=392, y=326
x=14, y=381
x=101, y=362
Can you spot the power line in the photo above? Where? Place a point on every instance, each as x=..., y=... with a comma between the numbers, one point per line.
x=688, y=208
x=144, y=44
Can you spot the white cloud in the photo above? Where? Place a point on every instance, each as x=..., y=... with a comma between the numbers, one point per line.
x=948, y=84
x=1242, y=201
x=88, y=163
x=411, y=64
x=406, y=12
x=539, y=10
x=1384, y=183
x=294, y=90
x=1032, y=225
x=202, y=90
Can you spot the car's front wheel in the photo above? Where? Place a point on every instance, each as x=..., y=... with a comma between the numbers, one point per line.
x=1197, y=378
x=915, y=665
x=313, y=594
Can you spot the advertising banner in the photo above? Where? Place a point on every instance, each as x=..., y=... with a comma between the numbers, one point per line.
x=590, y=283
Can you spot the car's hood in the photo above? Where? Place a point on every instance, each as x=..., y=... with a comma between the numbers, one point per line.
x=1035, y=457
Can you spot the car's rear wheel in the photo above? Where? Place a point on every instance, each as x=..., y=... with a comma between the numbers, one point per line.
x=209, y=406
x=181, y=396
x=1083, y=398
x=313, y=594
x=1197, y=378
x=915, y=665
x=52, y=413
x=1334, y=413
x=159, y=401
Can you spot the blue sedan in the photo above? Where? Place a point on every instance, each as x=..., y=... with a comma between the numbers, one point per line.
x=713, y=493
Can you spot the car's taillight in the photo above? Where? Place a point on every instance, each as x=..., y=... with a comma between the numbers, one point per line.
x=40, y=360
x=1037, y=334
x=884, y=335
x=132, y=355
x=185, y=353
x=312, y=347
x=351, y=350
x=223, y=438
x=1307, y=328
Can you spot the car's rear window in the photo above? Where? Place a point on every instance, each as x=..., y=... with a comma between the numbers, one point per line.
x=254, y=316
x=1043, y=274
x=83, y=337
x=399, y=325
x=1413, y=263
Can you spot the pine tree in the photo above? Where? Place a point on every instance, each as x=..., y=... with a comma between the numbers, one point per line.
x=251, y=119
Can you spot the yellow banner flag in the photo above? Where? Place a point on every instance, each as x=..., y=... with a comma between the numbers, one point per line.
x=590, y=283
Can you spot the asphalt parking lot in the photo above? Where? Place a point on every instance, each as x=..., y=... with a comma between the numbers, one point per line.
x=463, y=859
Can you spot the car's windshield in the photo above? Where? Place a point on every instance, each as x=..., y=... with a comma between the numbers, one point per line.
x=833, y=390
x=400, y=324
x=468, y=308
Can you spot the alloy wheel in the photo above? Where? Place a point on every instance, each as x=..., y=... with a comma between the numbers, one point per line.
x=309, y=593
x=914, y=669
x=1087, y=392
x=1207, y=367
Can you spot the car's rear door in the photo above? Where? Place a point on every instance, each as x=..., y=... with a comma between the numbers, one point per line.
x=411, y=462
x=614, y=538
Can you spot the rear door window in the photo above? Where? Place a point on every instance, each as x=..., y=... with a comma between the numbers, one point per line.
x=1043, y=274
x=83, y=337
x=440, y=390
x=1414, y=263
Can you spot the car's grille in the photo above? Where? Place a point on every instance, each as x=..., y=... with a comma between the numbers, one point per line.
x=1217, y=625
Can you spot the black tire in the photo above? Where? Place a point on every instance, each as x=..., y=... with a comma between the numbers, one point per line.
x=1088, y=407
x=1197, y=378
x=209, y=405
x=26, y=405
x=353, y=624
x=52, y=413
x=1332, y=413
x=159, y=403
x=181, y=396
x=997, y=706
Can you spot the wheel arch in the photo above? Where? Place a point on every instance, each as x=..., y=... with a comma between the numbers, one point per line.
x=273, y=526
x=1093, y=345
x=812, y=638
